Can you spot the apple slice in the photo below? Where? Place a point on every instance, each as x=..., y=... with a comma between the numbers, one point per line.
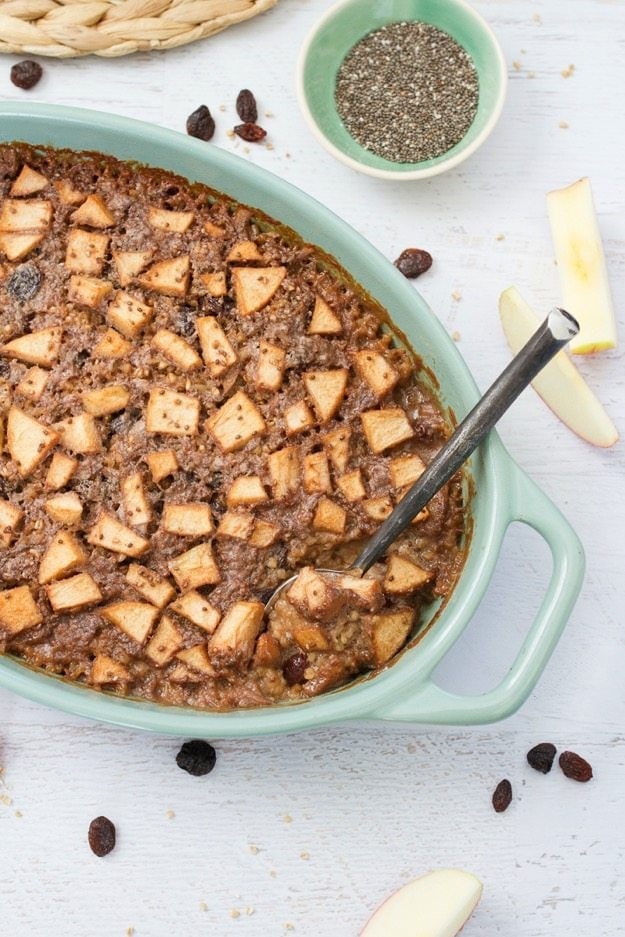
x=582, y=267
x=559, y=384
x=435, y=905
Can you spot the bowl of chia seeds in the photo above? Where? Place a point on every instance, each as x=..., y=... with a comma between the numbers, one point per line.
x=401, y=89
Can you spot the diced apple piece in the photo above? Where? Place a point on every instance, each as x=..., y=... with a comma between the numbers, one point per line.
x=237, y=632
x=376, y=371
x=169, y=277
x=109, y=399
x=311, y=639
x=403, y=576
x=40, y=347
x=150, y=585
x=351, y=486
x=80, y=434
x=68, y=195
x=176, y=349
x=270, y=367
x=195, y=568
x=28, y=182
x=389, y=631
x=324, y=321
x=94, y=213
x=175, y=222
x=264, y=534
x=61, y=469
x=105, y=669
x=317, y=473
x=63, y=555
x=86, y=251
x=197, y=658
x=70, y=595
x=215, y=283
x=582, y=267
x=326, y=390
x=191, y=519
x=162, y=464
x=436, y=905
x=18, y=610
x=128, y=314
x=235, y=423
x=137, y=509
x=244, y=250
x=405, y=470
x=197, y=609
x=10, y=518
x=33, y=383
x=284, y=472
x=559, y=383
x=64, y=508
x=18, y=246
x=28, y=440
x=32, y=215
x=166, y=641
x=336, y=445
x=386, y=428
x=111, y=345
x=255, y=286
x=329, y=516
x=218, y=353
x=315, y=595
x=111, y=534
x=172, y=413
x=366, y=593
x=136, y=619
x=298, y=418
x=246, y=490
x=214, y=230
x=88, y=291
x=268, y=651
x=237, y=524
x=129, y=264
x=378, y=509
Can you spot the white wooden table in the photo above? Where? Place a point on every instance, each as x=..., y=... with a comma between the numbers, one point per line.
x=310, y=832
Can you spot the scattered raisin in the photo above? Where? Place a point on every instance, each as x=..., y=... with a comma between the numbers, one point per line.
x=502, y=796
x=26, y=74
x=413, y=262
x=200, y=124
x=197, y=757
x=186, y=317
x=294, y=667
x=250, y=132
x=541, y=756
x=101, y=836
x=24, y=282
x=575, y=767
x=246, y=106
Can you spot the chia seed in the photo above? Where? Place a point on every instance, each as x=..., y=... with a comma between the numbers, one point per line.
x=407, y=92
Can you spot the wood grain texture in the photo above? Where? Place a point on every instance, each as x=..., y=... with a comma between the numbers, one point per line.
x=373, y=806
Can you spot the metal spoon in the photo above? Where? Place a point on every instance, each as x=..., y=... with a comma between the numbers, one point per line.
x=555, y=332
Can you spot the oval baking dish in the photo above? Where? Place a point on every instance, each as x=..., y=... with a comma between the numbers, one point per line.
x=503, y=493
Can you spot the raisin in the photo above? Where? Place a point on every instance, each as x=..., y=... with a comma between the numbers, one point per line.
x=246, y=106
x=541, y=756
x=101, y=836
x=26, y=74
x=575, y=767
x=294, y=667
x=413, y=262
x=200, y=124
x=185, y=317
x=502, y=796
x=24, y=282
x=250, y=132
x=196, y=757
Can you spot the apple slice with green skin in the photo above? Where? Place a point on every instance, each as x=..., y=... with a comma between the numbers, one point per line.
x=435, y=905
x=582, y=268
x=559, y=383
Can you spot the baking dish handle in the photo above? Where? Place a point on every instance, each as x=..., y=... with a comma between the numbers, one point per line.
x=431, y=704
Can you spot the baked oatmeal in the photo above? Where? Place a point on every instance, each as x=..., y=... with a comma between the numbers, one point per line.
x=194, y=405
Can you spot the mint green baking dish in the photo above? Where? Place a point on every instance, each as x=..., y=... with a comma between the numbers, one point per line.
x=503, y=493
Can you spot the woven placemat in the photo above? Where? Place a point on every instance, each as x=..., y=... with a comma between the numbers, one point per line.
x=68, y=28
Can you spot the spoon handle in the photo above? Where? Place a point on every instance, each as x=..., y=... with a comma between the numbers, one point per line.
x=555, y=332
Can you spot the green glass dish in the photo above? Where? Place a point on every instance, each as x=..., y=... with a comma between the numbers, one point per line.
x=343, y=26
x=503, y=493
